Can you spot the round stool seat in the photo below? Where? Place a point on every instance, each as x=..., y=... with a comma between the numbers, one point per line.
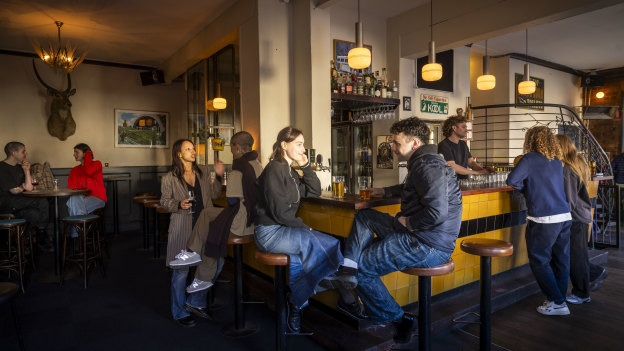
x=442, y=269
x=487, y=247
x=161, y=209
x=240, y=240
x=7, y=216
x=8, y=291
x=145, y=193
x=81, y=218
x=143, y=199
x=152, y=203
x=10, y=223
x=272, y=259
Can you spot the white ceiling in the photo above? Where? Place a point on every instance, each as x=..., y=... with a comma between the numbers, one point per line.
x=146, y=32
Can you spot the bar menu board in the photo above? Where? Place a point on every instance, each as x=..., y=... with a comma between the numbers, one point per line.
x=536, y=98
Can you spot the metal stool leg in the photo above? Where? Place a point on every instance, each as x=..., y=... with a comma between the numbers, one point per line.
x=156, y=235
x=486, y=307
x=240, y=328
x=424, y=313
x=145, y=228
x=280, y=308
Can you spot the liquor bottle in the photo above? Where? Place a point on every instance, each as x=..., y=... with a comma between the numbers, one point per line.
x=384, y=89
x=367, y=84
x=395, y=90
x=349, y=85
x=360, y=86
x=377, y=85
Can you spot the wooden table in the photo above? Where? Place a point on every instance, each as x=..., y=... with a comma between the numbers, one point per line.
x=56, y=194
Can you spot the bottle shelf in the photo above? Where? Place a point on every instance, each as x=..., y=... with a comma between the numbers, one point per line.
x=364, y=99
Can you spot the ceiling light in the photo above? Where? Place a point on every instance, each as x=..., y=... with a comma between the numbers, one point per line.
x=218, y=103
x=526, y=86
x=486, y=81
x=600, y=94
x=59, y=56
x=359, y=57
x=431, y=71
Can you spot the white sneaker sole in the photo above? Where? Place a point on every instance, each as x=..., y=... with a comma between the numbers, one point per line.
x=559, y=312
x=194, y=290
x=185, y=264
x=579, y=302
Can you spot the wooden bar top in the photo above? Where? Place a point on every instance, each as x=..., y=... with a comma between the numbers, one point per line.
x=355, y=203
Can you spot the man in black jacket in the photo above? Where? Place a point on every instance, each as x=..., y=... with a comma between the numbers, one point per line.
x=423, y=234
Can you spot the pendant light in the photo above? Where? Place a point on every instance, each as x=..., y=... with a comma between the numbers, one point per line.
x=431, y=71
x=486, y=81
x=359, y=56
x=219, y=103
x=526, y=86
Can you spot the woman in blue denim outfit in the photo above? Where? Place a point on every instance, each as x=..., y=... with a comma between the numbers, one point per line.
x=313, y=255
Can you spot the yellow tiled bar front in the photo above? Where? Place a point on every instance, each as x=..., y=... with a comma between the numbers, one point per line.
x=403, y=287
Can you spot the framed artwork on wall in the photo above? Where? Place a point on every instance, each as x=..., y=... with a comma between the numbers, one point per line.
x=141, y=129
x=341, y=56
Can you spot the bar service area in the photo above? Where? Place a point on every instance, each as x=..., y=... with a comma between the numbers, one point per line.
x=312, y=175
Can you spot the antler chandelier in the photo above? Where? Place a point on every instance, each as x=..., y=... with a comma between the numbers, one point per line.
x=59, y=56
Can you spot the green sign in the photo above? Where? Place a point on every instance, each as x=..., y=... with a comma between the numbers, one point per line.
x=434, y=104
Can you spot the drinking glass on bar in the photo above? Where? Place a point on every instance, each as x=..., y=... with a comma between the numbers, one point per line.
x=338, y=186
x=191, y=199
x=365, y=187
x=35, y=182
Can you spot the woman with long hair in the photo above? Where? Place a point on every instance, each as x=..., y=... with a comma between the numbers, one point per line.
x=187, y=190
x=313, y=255
x=539, y=174
x=576, y=174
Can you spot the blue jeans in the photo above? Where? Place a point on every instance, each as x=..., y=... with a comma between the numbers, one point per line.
x=391, y=251
x=313, y=256
x=548, y=247
x=178, y=295
x=81, y=205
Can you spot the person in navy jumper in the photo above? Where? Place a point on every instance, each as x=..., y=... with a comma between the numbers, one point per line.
x=539, y=175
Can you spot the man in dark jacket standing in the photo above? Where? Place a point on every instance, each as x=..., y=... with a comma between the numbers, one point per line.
x=423, y=234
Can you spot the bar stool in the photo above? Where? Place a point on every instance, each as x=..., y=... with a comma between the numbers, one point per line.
x=486, y=249
x=157, y=240
x=141, y=199
x=89, y=249
x=8, y=291
x=153, y=204
x=424, y=299
x=6, y=216
x=103, y=243
x=279, y=261
x=15, y=260
x=239, y=328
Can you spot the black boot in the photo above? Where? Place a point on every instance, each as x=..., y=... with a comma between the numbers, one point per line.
x=294, y=318
x=404, y=327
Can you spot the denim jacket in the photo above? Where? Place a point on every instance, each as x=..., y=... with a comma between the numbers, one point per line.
x=430, y=199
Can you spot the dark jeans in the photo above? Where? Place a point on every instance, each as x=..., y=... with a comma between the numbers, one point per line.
x=548, y=247
x=579, y=259
x=391, y=251
x=32, y=209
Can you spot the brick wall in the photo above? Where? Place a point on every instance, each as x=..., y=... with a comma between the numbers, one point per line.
x=608, y=132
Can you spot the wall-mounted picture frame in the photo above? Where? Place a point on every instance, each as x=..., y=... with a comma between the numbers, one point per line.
x=341, y=56
x=407, y=103
x=148, y=129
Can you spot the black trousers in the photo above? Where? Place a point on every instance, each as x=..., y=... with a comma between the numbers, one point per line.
x=34, y=210
x=581, y=271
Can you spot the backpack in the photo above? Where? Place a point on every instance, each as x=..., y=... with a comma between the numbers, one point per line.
x=43, y=173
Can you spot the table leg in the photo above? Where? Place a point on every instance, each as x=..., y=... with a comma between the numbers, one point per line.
x=115, y=209
x=57, y=224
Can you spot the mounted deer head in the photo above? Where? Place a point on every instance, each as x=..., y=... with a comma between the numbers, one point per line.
x=60, y=122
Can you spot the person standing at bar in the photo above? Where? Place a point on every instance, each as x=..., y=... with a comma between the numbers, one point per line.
x=576, y=174
x=422, y=234
x=548, y=222
x=455, y=150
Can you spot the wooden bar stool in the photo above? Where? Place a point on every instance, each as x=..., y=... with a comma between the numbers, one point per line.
x=6, y=216
x=157, y=240
x=486, y=249
x=141, y=199
x=279, y=261
x=100, y=227
x=424, y=299
x=89, y=249
x=239, y=328
x=8, y=291
x=15, y=257
x=154, y=204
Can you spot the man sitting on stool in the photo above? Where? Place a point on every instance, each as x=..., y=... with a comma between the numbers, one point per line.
x=423, y=234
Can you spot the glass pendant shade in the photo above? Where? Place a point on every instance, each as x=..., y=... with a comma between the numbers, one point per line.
x=432, y=72
x=359, y=58
x=486, y=82
x=219, y=103
x=526, y=86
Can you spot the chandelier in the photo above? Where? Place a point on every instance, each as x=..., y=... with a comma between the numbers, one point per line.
x=59, y=56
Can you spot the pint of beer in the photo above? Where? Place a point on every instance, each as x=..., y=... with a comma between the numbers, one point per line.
x=338, y=186
x=364, y=183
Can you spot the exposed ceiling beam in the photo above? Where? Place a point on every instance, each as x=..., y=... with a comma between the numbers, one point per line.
x=323, y=4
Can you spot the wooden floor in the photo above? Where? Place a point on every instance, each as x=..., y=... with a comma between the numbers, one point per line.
x=598, y=325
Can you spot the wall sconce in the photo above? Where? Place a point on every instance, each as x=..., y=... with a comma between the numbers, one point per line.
x=600, y=94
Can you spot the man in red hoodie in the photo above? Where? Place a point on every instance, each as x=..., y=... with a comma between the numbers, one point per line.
x=86, y=176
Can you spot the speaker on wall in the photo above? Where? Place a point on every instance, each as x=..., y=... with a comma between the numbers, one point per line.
x=152, y=77
x=592, y=80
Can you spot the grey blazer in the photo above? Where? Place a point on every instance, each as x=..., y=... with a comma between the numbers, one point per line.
x=180, y=226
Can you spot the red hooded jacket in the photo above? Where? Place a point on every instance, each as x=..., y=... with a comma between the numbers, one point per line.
x=88, y=176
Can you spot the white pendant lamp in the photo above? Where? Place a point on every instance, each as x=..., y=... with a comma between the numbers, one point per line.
x=486, y=81
x=432, y=71
x=359, y=57
x=526, y=86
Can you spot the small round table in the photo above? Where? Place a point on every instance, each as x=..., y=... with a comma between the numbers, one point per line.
x=56, y=193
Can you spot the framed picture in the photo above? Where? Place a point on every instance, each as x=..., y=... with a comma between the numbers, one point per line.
x=407, y=103
x=384, y=152
x=141, y=129
x=341, y=56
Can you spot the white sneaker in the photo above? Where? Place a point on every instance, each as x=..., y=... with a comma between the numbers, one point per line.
x=550, y=308
x=573, y=299
x=198, y=285
x=185, y=259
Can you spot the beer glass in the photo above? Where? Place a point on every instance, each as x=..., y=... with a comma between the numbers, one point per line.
x=365, y=187
x=338, y=186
